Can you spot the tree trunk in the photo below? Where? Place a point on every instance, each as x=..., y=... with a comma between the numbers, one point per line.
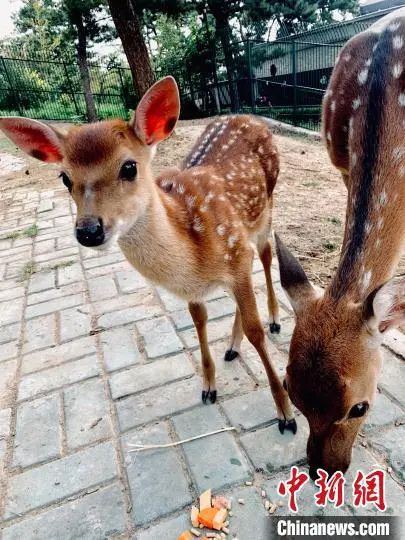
x=224, y=33
x=129, y=30
x=84, y=67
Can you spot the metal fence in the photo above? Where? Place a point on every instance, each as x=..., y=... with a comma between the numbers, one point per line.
x=52, y=90
x=283, y=79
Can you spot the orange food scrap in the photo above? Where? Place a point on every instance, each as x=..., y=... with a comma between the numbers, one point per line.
x=194, y=516
x=206, y=517
x=219, y=519
x=205, y=500
x=186, y=535
x=221, y=502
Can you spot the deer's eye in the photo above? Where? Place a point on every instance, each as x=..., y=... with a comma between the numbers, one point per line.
x=66, y=180
x=359, y=410
x=128, y=170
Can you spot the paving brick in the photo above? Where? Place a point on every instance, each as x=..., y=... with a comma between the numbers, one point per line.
x=157, y=481
x=95, y=516
x=37, y=431
x=249, y=520
x=69, y=274
x=41, y=281
x=159, y=336
x=10, y=332
x=75, y=322
x=270, y=451
x=60, y=479
x=166, y=530
x=39, y=333
x=383, y=413
x=250, y=410
x=101, y=260
x=54, y=305
x=392, y=446
x=11, y=312
x=216, y=330
x=57, y=355
x=11, y=292
x=5, y=418
x=393, y=373
x=130, y=281
x=54, y=293
x=150, y=375
x=8, y=350
x=216, y=309
x=395, y=340
x=101, y=288
x=57, y=257
x=119, y=348
x=231, y=377
x=7, y=381
x=170, y=301
x=141, y=298
x=158, y=403
x=44, y=246
x=216, y=461
x=50, y=379
x=287, y=328
x=45, y=206
x=253, y=362
x=87, y=416
x=127, y=316
x=107, y=269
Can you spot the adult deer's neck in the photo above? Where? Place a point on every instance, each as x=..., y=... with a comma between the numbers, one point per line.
x=375, y=217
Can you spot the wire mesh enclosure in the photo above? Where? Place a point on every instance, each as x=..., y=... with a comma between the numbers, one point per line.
x=284, y=79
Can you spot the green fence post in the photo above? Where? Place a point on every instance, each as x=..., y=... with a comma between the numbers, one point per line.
x=71, y=89
x=11, y=86
x=251, y=78
x=124, y=94
x=294, y=69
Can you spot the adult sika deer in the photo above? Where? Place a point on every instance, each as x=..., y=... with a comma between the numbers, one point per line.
x=190, y=230
x=334, y=358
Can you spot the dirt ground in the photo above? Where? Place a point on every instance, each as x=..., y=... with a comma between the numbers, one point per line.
x=310, y=196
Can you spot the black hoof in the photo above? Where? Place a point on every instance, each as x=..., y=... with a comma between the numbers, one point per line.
x=209, y=394
x=290, y=425
x=274, y=328
x=231, y=355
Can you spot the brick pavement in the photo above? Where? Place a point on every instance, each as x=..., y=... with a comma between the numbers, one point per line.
x=93, y=357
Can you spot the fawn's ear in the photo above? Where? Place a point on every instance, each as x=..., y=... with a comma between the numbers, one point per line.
x=157, y=112
x=294, y=279
x=35, y=138
x=384, y=308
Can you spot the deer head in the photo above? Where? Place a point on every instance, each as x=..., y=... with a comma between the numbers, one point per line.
x=105, y=165
x=335, y=360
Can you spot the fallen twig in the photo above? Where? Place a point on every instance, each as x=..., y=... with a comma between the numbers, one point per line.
x=142, y=447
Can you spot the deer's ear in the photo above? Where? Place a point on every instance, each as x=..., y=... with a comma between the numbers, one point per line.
x=35, y=138
x=293, y=278
x=384, y=308
x=158, y=111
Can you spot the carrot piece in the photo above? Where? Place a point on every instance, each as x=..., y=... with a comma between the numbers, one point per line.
x=205, y=500
x=186, y=535
x=206, y=517
x=194, y=516
x=219, y=519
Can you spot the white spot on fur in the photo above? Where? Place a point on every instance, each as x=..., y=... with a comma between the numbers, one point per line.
x=333, y=106
x=232, y=240
x=220, y=230
x=394, y=26
x=368, y=227
x=365, y=281
x=354, y=159
x=227, y=257
x=383, y=198
x=180, y=188
x=398, y=153
x=356, y=103
x=329, y=136
x=362, y=76
x=401, y=99
x=397, y=42
x=198, y=224
x=190, y=200
x=380, y=222
x=347, y=57
x=397, y=70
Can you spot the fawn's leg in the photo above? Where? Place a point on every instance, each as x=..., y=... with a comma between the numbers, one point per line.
x=265, y=255
x=198, y=312
x=236, y=339
x=252, y=327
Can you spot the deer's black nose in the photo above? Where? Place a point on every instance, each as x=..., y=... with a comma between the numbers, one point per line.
x=90, y=231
